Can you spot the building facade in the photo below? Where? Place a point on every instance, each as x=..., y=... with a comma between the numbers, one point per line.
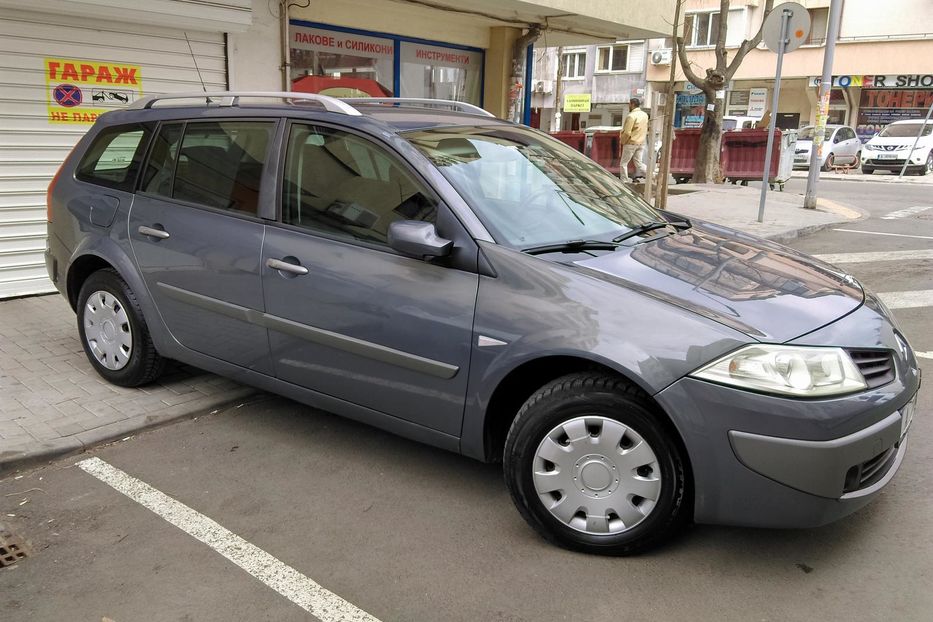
x=882, y=68
x=64, y=62
x=608, y=74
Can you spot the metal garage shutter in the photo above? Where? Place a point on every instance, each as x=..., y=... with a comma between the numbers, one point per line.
x=32, y=146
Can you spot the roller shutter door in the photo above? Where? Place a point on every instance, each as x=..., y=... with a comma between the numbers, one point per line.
x=32, y=145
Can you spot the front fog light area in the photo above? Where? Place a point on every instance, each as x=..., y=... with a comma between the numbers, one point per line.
x=787, y=370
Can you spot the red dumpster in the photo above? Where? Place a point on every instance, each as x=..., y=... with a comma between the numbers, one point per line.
x=684, y=153
x=604, y=150
x=574, y=139
x=743, y=156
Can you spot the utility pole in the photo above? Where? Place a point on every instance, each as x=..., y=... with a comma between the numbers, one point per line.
x=667, y=134
x=557, y=85
x=826, y=83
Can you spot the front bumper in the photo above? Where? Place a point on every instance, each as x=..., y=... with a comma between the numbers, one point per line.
x=893, y=164
x=767, y=461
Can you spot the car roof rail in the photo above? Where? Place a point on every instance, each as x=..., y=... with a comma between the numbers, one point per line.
x=419, y=101
x=331, y=104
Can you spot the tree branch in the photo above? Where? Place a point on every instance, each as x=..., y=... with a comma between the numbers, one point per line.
x=685, y=63
x=749, y=44
x=721, y=36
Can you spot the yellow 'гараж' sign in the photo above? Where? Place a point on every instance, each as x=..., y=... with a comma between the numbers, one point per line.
x=577, y=102
x=79, y=91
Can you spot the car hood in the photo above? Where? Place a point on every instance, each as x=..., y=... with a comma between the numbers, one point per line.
x=903, y=142
x=769, y=292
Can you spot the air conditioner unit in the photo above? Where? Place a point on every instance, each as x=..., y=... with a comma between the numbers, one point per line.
x=662, y=57
x=543, y=86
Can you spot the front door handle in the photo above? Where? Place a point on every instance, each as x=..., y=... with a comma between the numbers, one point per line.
x=154, y=233
x=284, y=266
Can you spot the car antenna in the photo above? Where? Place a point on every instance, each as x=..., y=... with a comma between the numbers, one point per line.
x=196, y=68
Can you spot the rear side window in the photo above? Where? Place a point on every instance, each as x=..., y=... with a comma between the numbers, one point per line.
x=217, y=163
x=114, y=158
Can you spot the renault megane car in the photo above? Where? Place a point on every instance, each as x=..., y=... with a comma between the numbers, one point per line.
x=476, y=285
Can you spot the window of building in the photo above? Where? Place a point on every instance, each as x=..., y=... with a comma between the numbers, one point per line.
x=439, y=72
x=341, y=64
x=819, y=20
x=218, y=164
x=612, y=58
x=114, y=159
x=343, y=185
x=574, y=64
x=701, y=29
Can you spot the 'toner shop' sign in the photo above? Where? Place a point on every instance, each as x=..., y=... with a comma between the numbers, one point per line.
x=904, y=81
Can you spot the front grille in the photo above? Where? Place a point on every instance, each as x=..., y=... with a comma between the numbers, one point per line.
x=877, y=366
x=869, y=472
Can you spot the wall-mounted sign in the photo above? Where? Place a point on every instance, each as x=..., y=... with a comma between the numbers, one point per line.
x=79, y=91
x=757, y=102
x=878, y=107
x=577, y=102
x=905, y=81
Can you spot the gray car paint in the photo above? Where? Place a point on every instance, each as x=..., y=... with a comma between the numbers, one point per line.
x=585, y=307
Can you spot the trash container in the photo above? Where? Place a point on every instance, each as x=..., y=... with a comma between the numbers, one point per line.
x=684, y=153
x=743, y=156
x=603, y=148
x=576, y=140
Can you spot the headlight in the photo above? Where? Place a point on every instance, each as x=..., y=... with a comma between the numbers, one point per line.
x=921, y=148
x=869, y=147
x=788, y=370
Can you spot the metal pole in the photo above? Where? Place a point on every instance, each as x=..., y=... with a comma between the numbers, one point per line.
x=826, y=83
x=916, y=140
x=785, y=17
x=667, y=136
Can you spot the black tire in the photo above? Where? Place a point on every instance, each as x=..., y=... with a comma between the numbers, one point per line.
x=828, y=164
x=928, y=166
x=611, y=398
x=867, y=170
x=144, y=364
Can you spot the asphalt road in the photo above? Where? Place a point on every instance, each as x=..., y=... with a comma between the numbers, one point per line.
x=406, y=532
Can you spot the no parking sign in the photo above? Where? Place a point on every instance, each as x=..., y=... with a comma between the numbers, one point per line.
x=79, y=91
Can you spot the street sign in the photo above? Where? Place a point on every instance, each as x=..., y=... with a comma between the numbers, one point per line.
x=798, y=27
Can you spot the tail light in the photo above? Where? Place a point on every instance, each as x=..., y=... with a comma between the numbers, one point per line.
x=48, y=193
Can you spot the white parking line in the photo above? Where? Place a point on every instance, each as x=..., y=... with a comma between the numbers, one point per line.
x=875, y=256
x=907, y=300
x=924, y=355
x=296, y=587
x=896, y=235
x=907, y=211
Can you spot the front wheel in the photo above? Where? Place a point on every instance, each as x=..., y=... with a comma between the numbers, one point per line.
x=928, y=167
x=592, y=468
x=828, y=164
x=113, y=332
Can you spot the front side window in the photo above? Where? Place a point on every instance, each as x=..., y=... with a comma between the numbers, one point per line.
x=343, y=185
x=574, y=64
x=529, y=189
x=612, y=58
x=114, y=158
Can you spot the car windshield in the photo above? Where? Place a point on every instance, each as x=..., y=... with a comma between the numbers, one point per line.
x=530, y=189
x=905, y=130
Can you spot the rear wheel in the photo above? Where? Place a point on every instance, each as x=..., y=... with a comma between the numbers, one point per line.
x=592, y=468
x=113, y=332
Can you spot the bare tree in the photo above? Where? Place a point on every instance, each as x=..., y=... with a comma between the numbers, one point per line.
x=707, y=162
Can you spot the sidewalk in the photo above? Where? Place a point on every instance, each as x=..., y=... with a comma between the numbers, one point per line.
x=52, y=402
x=737, y=207
x=877, y=176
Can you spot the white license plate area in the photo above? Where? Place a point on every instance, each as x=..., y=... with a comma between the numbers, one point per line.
x=887, y=156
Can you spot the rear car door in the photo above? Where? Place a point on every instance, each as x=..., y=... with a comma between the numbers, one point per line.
x=348, y=316
x=197, y=237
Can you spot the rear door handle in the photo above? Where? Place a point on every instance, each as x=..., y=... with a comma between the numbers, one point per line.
x=284, y=266
x=154, y=233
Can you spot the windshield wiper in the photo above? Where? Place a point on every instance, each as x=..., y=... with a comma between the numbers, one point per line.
x=571, y=246
x=653, y=225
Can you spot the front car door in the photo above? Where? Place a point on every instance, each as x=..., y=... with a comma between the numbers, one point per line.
x=348, y=316
x=197, y=238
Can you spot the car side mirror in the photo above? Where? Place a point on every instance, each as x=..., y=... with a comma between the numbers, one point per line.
x=417, y=239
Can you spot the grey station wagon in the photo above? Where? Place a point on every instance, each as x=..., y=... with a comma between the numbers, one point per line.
x=473, y=284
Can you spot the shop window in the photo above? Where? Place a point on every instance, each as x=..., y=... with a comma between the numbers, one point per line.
x=341, y=64
x=339, y=184
x=612, y=58
x=114, y=158
x=574, y=65
x=439, y=72
x=701, y=29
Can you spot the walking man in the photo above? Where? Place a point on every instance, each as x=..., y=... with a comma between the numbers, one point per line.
x=632, y=140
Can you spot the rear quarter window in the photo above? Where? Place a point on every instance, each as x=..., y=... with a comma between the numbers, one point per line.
x=115, y=156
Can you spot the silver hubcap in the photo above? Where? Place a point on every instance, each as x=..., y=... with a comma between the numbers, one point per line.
x=107, y=330
x=597, y=475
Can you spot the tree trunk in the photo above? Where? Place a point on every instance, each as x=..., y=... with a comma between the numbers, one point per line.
x=707, y=162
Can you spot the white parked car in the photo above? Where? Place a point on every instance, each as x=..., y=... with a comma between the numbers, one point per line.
x=841, y=147
x=730, y=123
x=888, y=149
